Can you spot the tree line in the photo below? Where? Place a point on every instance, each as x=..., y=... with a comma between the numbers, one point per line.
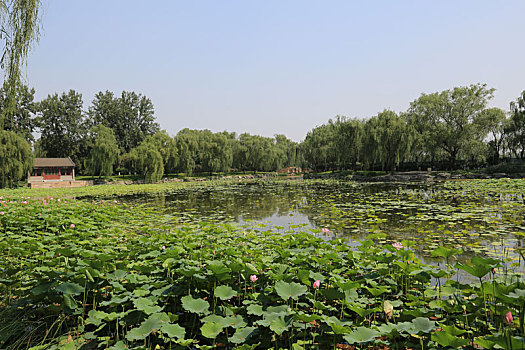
x=447, y=130
x=119, y=133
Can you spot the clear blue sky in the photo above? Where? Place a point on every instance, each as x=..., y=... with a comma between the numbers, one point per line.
x=277, y=66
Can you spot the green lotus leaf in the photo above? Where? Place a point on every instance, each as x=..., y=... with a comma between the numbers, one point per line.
x=517, y=293
x=198, y=306
x=251, y=268
x=70, y=302
x=241, y=334
x=290, y=290
x=446, y=252
x=301, y=316
x=120, y=345
x=361, y=335
x=255, y=309
x=211, y=329
x=152, y=323
x=218, y=268
x=217, y=319
x=224, y=292
x=279, y=325
x=70, y=288
x=445, y=339
x=422, y=325
x=42, y=288
x=173, y=330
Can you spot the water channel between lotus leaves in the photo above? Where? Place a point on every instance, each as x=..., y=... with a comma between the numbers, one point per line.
x=480, y=217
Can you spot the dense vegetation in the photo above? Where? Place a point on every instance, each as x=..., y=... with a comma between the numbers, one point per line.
x=99, y=273
x=446, y=130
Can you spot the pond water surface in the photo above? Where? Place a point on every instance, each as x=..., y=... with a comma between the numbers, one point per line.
x=481, y=218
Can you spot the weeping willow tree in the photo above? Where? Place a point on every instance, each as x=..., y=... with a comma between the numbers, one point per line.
x=146, y=160
x=19, y=30
x=15, y=158
x=104, y=153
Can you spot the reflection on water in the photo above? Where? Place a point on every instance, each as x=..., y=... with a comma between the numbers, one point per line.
x=481, y=222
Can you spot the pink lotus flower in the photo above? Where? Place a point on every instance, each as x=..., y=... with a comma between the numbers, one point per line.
x=325, y=230
x=316, y=284
x=397, y=245
x=508, y=317
x=163, y=247
x=2, y=213
x=72, y=226
x=253, y=278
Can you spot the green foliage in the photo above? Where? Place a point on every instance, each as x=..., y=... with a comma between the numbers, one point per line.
x=20, y=27
x=61, y=124
x=289, y=290
x=166, y=147
x=224, y=292
x=215, y=152
x=494, y=121
x=515, y=128
x=104, y=152
x=130, y=116
x=259, y=152
x=21, y=118
x=134, y=276
x=15, y=158
x=319, y=148
x=448, y=122
x=388, y=139
x=147, y=160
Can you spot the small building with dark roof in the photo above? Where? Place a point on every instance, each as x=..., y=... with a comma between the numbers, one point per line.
x=52, y=170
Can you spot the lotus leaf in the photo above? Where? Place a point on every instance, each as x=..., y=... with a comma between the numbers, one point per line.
x=290, y=290
x=198, y=306
x=225, y=292
x=361, y=335
x=211, y=329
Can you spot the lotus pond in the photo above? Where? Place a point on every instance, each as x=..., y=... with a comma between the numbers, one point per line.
x=261, y=265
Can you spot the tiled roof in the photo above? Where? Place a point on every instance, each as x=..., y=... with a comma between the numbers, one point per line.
x=52, y=162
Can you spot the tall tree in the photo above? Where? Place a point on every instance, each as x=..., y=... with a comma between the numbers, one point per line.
x=131, y=116
x=215, y=152
x=21, y=119
x=167, y=149
x=319, y=147
x=516, y=127
x=187, y=143
x=104, y=152
x=61, y=125
x=19, y=28
x=15, y=158
x=446, y=120
x=493, y=121
x=260, y=152
x=148, y=161
x=390, y=138
x=285, y=152
x=348, y=134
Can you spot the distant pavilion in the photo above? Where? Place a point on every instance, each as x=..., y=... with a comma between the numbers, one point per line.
x=52, y=170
